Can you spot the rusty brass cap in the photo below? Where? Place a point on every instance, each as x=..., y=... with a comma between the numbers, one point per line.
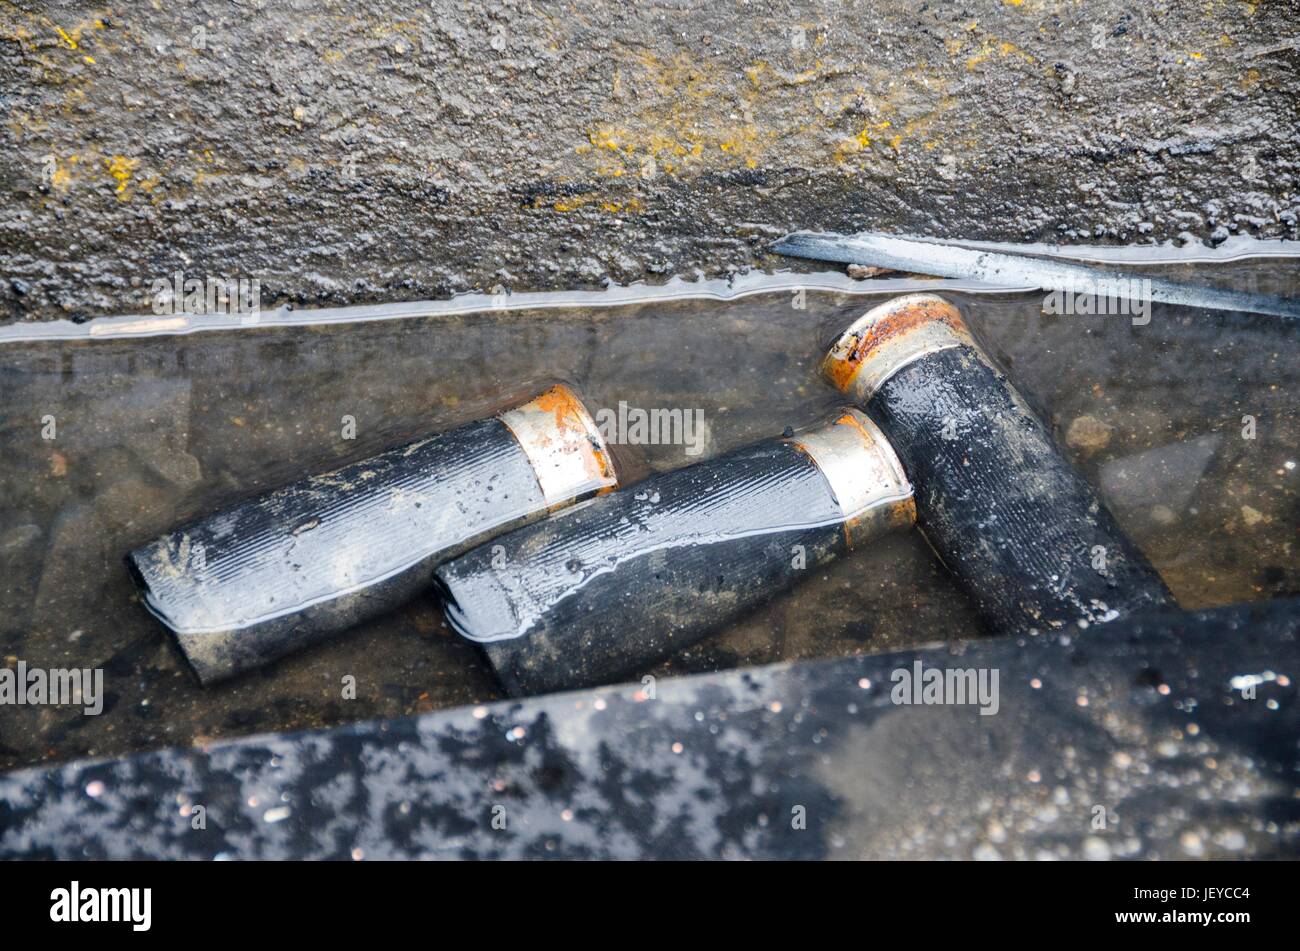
x=889, y=337
x=864, y=474
x=563, y=445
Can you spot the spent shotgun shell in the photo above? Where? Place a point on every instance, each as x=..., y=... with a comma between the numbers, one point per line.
x=611, y=587
x=293, y=566
x=1025, y=535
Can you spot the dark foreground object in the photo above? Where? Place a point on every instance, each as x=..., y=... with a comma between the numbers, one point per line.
x=287, y=569
x=609, y=589
x=1139, y=739
x=1026, y=536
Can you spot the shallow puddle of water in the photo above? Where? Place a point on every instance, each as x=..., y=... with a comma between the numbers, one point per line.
x=153, y=431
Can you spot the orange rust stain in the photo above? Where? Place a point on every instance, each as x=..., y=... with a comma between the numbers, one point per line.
x=840, y=369
x=849, y=419
x=574, y=424
x=902, y=513
x=559, y=400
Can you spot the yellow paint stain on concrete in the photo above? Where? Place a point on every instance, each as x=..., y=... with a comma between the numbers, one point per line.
x=806, y=76
x=990, y=47
x=612, y=206
x=121, y=168
x=60, y=177
x=762, y=74
x=71, y=38
x=863, y=139
x=604, y=138
x=681, y=115
x=914, y=100
x=691, y=114
x=618, y=207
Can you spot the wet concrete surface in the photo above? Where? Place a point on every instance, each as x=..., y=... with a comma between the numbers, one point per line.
x=152, y=432
x=352, y=152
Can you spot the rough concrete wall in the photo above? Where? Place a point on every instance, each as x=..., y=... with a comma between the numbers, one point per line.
x=352, y=151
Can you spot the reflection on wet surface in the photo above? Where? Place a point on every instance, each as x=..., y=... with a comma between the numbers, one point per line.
x=152, y=432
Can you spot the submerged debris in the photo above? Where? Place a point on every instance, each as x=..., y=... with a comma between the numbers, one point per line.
x=1011, y=270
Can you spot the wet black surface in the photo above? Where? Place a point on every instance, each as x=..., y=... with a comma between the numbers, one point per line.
x=1162, y=737
x=153, y=432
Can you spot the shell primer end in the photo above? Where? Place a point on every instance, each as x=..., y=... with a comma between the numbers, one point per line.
x=889, y=337
x=563, y=444
x=864, y=474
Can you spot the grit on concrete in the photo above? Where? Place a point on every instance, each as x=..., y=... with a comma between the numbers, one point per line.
x=345, y=152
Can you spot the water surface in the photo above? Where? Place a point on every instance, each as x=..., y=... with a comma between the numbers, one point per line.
x=152, y=431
